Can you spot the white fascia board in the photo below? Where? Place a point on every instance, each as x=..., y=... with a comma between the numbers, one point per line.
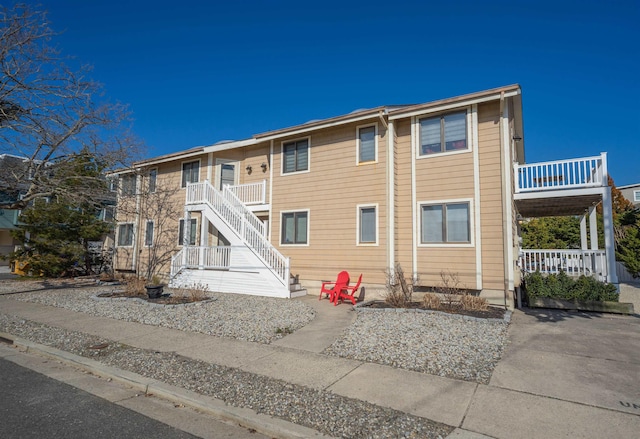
x=320, y=127
x=230, y=145
x=452, y=105
x=560, y=193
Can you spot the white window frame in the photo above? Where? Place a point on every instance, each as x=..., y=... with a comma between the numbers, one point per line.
x=375, y=144
x=282, y=213
x=636, y=196
x=181, y=235
x=359, y=209
x=112, y=181
x=155, y=180
x=146, y=229
x=133, y=235
x=182, y=172
x=469, y=244
x=469, y=132
x=308, y=139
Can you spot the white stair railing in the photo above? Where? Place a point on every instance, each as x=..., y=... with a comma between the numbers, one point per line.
x=248, y=226
x=250, y=193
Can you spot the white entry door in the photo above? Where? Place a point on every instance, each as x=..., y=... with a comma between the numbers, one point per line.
x=226, y=174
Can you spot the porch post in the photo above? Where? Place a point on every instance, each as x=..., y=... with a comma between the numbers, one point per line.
x=593, y=228
x=204, y=235
x=583, y=232
x=186, y=229
x=609, y=243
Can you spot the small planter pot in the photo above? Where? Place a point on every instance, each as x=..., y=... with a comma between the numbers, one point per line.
x=154, y=291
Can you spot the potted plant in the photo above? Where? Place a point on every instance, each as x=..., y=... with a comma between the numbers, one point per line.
x=155, y=288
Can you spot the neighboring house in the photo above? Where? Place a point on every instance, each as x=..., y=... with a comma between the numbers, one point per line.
x=8, y=222
x=434, y=187
x=631, y=192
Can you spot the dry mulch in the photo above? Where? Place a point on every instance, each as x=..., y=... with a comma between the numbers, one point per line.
x=491, y=313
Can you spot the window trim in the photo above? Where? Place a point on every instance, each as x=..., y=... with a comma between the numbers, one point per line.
x=359, y=209
x=636, y=196
x=155, y=181
x=471, y=224
x=283, y=143
x=153, y=234
x=375, y=144
x=282, y=213
x=468, y=129
x=183, y=184
x=181, y=235
x=133, y=235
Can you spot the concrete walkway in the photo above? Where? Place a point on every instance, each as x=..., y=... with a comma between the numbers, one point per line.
x=562, y=374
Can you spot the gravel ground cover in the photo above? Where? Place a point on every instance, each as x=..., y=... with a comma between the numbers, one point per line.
x=447, y=345
x=326, y=412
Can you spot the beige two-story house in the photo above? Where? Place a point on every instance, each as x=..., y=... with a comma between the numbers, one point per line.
x=435, y=187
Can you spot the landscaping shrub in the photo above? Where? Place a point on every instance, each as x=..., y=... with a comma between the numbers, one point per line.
x=474, y=303
x=561, y=286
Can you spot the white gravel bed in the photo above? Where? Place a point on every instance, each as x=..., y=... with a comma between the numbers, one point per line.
x=323, y=411
x=243, y=317
x=437, y=343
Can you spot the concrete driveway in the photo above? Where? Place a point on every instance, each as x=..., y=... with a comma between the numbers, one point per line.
x=563, y=374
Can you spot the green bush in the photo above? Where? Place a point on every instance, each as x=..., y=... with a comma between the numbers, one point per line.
x=561, y=286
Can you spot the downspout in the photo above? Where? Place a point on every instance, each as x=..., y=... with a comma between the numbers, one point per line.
x=136, y=230
x=505, y=222
x=390, y=197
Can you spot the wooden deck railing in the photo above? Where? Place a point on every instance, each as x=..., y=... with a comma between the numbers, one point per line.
x=573, y=262
x=561, y=174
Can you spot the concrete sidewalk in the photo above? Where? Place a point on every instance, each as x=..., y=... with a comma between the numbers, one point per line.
x=562, y=374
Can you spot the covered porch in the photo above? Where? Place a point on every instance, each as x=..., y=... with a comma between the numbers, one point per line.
x=573, y=187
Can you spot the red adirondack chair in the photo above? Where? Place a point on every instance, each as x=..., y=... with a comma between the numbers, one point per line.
x=348, y=293
x=331, y=289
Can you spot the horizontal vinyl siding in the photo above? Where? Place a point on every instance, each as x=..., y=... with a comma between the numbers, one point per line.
x=331, y=190
x=404, y=220
x=491, y=197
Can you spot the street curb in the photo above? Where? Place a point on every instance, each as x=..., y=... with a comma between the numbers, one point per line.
x=262, y=423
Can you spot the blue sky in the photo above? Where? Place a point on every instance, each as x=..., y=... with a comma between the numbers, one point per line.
x=197, y=72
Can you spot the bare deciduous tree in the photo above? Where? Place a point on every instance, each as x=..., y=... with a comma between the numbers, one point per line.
x=49, y=115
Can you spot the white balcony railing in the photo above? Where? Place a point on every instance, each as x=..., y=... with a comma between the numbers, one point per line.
x=561, y=174
x=251, y=193
x=573, y=262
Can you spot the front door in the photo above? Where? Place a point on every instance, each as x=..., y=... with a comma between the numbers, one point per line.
x=227, y=174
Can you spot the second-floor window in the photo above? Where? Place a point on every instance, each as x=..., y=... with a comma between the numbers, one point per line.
x=148, y=234
x=367, y=144
x=153, y=176
x=125, y=235
x=190, y=172
x=128, y=182
x=295, y=156
x=444, y=133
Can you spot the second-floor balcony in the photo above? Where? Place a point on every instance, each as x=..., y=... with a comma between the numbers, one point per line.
x=561, y=187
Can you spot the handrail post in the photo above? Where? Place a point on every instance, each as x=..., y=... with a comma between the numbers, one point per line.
x=605, y=171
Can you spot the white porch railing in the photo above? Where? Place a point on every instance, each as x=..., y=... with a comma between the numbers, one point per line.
x=238, y=216
x=251, y=193
x=561, y=174
x=202, y=258
x=573, y=262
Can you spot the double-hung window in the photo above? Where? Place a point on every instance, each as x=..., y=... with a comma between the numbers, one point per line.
x=636, y=196
x=295, y=156
x=445, y=223
x=191, y=238
x=367, y=225
x=153, y=176
x=190, y=172
x=148, y=234
x=128, y=184
x=367, y=144
x=125, y=235
x=444, y=133
x=295, y=227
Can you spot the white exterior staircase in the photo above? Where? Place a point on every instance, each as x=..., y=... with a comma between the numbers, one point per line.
x=249, y=265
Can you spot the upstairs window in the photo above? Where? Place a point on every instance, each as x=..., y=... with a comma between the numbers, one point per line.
x=295, y=156
x=443, y=133
x=148, y=234
x=190, y=172
x=367, y=144
x=153, y=176
x=128, y=184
